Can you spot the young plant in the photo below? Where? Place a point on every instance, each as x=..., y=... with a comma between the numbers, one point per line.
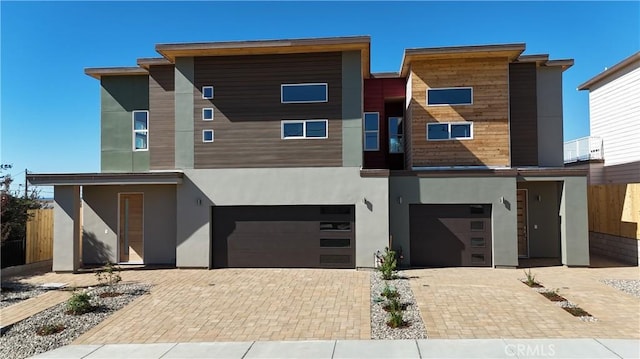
x=388, y=262
x=109, y=276
x=49, y=329
x=389, y=292
x=396, y=320
x=394, y=305
x=79, y=304
x=531, y=278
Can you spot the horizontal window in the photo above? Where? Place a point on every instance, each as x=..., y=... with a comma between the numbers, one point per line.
x=477, y=242
x=207, y=135
x=450, y=131
x=140, y=130
x=335, y=226
x=207, y=114
x=477, y=258
x=304, y=93
x=207, y=92
x=335, y=242
x=371, y=131
x=450, y=96
x=292, y=129
x=476, y=225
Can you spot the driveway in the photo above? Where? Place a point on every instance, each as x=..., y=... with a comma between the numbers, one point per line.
x=493, y=303
x=236, y=305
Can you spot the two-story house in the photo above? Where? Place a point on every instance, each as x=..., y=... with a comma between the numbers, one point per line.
x=291, y=153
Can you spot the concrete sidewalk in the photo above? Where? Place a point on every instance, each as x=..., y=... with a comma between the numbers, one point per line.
x=369, y=349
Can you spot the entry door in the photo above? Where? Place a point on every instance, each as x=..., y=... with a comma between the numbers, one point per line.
x=130, y=234
x=523, y=235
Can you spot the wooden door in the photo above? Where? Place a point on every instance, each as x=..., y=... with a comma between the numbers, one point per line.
x=130, y=238
x=523, y=237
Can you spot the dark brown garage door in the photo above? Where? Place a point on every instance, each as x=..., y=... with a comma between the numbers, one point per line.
x=283, y=236
x=450, y=235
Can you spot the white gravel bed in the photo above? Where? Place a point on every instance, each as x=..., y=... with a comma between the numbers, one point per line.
x=21, y=340
x=14, y=292
x=630, y=286
x=379, y=317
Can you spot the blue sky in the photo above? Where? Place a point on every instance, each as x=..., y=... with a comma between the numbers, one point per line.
x=50, y=110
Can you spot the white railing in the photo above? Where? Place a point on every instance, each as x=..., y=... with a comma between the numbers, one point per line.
x=583, y=149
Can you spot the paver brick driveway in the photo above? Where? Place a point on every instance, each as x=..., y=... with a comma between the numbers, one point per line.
x=237, y=305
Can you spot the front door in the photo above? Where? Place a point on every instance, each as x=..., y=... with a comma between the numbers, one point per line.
x=523, y=237
x=130, y=231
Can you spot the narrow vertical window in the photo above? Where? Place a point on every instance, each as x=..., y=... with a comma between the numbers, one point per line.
x=140, y=130
x=396, y=135
x=371, y=131
x=207, y=92
x=207, y=114
x=207, y=135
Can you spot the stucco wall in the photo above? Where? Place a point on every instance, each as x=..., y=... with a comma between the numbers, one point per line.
x=204, y=188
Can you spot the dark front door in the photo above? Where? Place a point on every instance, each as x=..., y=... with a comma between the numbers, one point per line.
x=283, y=236
x=450, y=235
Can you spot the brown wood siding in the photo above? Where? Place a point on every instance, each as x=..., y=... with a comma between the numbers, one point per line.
x=523, y=108
x=161, y=117
x=489, y=112
x=248, y=112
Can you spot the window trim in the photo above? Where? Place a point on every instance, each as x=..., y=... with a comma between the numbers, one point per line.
x=449, y=138
x=134, y=131
x=365, y=131
x=212, y=114
x=212, y=93
x=212, y=136
x=326, y=92
x=400, y=136
x=304, y=129
x=449, y=104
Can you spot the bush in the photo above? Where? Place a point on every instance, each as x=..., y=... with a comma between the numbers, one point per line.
x=388, y=262
x=49, y=329
x=396, y=320
x=109, y=276
x=389, y=292
x=79, y=304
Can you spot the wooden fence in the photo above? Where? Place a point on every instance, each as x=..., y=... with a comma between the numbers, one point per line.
x=615, y=209
x=39, y=246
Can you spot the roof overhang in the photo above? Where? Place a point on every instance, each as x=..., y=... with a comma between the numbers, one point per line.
x=104, y=179
x=633, y=59
x=509, y=51
x=147, y=62
x=99, y=72
x=263, y=47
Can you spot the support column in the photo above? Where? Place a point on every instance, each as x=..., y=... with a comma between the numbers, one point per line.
x=574, y=226
x=67, y=229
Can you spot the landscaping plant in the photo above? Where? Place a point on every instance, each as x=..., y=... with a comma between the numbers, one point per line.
x=79, y=303
x=49, y=329
x=388, y=262
x=389, y=292
x=396, y=320
x=531, y=278
x=109, y=276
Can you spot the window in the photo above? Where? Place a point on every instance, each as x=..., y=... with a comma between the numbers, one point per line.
x=335, y=226
x=304, y=93
x=450, y=96
x=477, y=242
x=292, y=129
x=396, y=135
x=140, y=130
x=371, y=131
x=477, y=258
x=335, y=242
x=207, y=114
x=207, y=92
x=476, y=225
x=450, y=131
x=207, y=135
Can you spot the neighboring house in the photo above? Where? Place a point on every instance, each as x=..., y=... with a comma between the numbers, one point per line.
x=290, y=153
x=612, y=156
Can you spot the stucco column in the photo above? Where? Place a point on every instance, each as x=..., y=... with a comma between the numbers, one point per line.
x=66, y=229
x=574, y=228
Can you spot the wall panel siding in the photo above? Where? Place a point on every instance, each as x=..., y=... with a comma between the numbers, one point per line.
x=614, y=110
x=248, y=112
x=523, y=114
x=161, y=117
x=489, y=78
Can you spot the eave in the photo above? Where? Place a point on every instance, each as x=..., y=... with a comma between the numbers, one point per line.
x=610, y=71
x=93, y=179
x=147, y=62
x=99, y=72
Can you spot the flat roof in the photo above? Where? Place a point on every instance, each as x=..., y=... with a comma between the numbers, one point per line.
x=98, y=72
x=147, y=62
x=93, y=179
x=606, y=74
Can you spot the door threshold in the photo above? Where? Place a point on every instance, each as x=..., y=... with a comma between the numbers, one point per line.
x=130, y=263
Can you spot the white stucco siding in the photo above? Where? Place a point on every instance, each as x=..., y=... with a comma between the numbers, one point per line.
x=615, y=116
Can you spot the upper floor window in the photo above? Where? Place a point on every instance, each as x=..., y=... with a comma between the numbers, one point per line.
x=450, y=131
x=304, y=93
x=140, y=130
x=371, y=131
x=207, y=135
x=207, y=114
x=207, y=92
x=396, y=135
x=292, y=129
x=450, y=96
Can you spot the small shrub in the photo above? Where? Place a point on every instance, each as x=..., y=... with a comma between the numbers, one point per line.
x=388, y=263
x=396, y=320
x=79, y=304
x=394, y=305
x=389, y=292
x=531, y=279
x=49, y=329
x=109, y=276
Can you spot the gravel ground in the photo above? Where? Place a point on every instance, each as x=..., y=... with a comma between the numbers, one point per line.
x=379, y=327
x=630, y=286
x=21, y=340
x=14, y=292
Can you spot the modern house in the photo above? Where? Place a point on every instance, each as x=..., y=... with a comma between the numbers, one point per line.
x=291, y=153
x=611, y=154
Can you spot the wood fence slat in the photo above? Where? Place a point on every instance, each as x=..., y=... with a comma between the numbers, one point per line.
x=39, y=246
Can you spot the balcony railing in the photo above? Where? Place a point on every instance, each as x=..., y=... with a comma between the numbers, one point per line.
x=583, y=149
